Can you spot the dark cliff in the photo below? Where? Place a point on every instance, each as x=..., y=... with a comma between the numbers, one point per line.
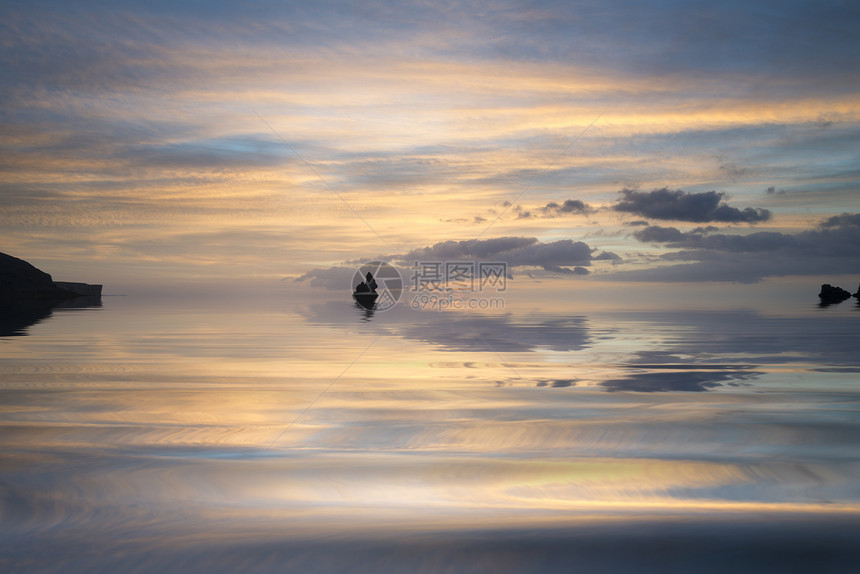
x=20, y=280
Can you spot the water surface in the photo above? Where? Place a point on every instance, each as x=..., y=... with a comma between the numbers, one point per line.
x=235, y=435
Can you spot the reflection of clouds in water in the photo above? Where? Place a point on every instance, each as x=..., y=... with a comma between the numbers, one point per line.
x=466, y=332
x=746, y=336
x=406, y=468
x=690, y=351
x=557, y=383
x=500, y=333
x=691, y=381
x=715, y=349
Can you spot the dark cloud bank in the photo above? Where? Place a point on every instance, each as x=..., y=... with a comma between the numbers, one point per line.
x=664, y=204
x=563, y=256
x=678, y=205
x=828, y=248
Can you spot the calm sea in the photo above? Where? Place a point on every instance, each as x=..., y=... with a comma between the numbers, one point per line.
x=558, y=434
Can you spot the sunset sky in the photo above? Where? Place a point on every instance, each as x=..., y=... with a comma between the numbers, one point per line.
x=177, y=142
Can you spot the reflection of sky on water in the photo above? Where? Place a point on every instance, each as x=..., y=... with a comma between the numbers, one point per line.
x=665, y=351
x=237, y=438
x=18, y=316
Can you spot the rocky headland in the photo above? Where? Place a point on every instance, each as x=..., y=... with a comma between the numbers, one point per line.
x=29, y=295
x=20, y=280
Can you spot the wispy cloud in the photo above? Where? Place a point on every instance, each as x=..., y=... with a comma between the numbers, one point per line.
x=555, y=209
x=140, y=119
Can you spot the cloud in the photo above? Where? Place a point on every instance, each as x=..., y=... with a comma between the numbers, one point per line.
x=237, y=152
x=470, y=249
x=841, y=220
x=335, y=278
x=569, y=207
x=657, y=234
x=554, y=209
x=521, y=213
x=563, y=256
x=828, y=248
x=608, y=256
x=679, y=205
x=566, y=270
x=556, y=256
x=146, y=115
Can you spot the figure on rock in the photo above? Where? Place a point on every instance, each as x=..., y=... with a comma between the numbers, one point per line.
x=365, y=292
x=369, y=284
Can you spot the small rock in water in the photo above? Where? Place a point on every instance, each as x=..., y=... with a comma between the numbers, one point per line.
x=830, y=294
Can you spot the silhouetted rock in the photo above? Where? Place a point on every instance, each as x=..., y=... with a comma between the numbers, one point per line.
x=365, y=292
x=369, y=284
x=20, y=281
x=830, y=294
x=80, y=289
x=29, y=295
x=857, y=294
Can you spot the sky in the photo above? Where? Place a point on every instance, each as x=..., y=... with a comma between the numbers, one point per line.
x=177, y=142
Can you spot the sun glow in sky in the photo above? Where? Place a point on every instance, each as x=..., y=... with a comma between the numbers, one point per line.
x=187, y=141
